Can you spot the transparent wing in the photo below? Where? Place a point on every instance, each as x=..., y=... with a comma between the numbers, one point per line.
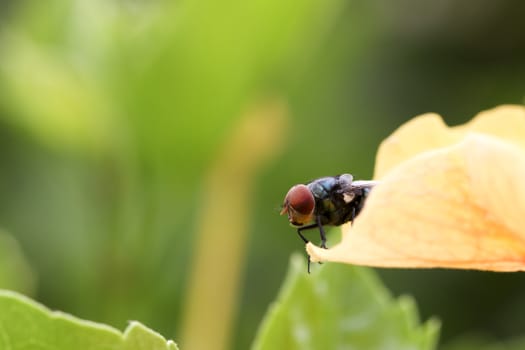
x=365, y=183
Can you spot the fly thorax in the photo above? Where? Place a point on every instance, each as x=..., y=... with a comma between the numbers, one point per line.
x=318, y=190
x=328, y=205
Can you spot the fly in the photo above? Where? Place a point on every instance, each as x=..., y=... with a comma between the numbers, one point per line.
x=327, y=201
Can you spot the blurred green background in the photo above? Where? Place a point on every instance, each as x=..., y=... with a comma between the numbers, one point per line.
x=119, y=136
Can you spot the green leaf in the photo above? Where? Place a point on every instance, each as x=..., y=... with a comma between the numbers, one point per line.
x=341, y=307
x=25, y=324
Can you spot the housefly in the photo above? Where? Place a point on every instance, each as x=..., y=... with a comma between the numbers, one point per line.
x=327, y=201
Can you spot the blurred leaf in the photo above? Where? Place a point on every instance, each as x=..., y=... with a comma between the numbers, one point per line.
x=165, y=78
x=209, y=313
x=50, y=97
x=341, y=307
x=197, y=67
x=155, y=87
x=27, y=324
x=15, y=271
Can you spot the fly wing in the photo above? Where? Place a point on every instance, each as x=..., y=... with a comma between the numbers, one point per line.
x=365, y=183
x=356, y=188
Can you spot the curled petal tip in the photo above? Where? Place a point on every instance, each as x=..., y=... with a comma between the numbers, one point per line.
x=315, y=252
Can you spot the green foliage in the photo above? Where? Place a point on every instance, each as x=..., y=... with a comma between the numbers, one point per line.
x=108, y=75
x=341, y=307
x=15, y=272
x=132, y=101
x=28, y=325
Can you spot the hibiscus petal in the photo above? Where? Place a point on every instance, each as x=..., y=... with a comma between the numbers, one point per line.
x=420, y=134
x=459, y=206
x=428, y=132
x=506, y=122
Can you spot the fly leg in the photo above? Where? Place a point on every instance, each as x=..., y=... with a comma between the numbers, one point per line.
x=323, y=237
x=353, y=216
x=302, y=228
x=321, y=232
x=308, y=227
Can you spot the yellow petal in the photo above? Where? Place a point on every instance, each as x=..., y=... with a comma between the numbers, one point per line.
x=421, y=134
x=429, y=132
x=460, y=206
x=506, y=122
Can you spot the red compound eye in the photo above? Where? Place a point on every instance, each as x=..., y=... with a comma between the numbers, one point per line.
x=299, y=203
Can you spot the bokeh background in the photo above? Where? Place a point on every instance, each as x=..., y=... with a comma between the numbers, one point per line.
x=146, y=147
